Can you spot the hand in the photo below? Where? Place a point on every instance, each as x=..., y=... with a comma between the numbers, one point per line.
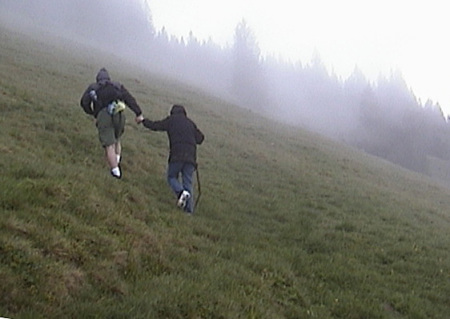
x=139, y=119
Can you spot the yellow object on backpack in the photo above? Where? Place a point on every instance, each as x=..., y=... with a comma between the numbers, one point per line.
x=116, y=107
x=120, y=106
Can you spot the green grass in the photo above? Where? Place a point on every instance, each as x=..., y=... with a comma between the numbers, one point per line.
x=290, y=225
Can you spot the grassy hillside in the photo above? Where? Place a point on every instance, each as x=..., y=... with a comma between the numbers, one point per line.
x=290, y=225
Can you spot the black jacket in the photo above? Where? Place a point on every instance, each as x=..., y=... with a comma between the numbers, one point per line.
x=114, y=91
x=182, y=132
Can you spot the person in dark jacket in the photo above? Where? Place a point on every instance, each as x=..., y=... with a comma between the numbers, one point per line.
x=105, y=100
x=184, y=136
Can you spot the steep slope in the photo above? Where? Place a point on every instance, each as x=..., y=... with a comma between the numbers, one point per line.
x=290, y=225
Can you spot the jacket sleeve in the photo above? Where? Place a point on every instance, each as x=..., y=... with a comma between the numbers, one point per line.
x=199, y=136
x=86, y=102
x=130, y=101
x=162, y=125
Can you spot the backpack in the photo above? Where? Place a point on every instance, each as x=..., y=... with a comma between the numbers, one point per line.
x=108, y=95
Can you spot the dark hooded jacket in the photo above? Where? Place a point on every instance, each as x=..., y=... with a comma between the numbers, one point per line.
x=182, y=132
x=106, y=91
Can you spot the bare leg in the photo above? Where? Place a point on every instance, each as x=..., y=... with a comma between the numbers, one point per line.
x=118, y=151
x=111, y=158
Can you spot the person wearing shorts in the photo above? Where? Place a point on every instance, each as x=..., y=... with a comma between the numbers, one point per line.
x=105, y=100
x=110, y=127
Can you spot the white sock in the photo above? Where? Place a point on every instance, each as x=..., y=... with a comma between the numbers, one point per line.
x=116, y=171
x=118, y=158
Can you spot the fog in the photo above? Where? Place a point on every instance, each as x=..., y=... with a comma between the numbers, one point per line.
x=383, y=118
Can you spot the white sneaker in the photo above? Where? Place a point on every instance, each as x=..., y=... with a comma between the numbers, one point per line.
x=115, y=172
x=182, y=200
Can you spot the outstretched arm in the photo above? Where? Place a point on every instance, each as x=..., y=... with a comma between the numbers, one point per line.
x=131, y=102
x=156, y=125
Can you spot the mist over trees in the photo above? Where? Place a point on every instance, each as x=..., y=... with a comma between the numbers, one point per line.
x=249, y=83
x=383, y=118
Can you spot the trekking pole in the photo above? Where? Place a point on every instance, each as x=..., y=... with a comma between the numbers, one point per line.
x=199, y=188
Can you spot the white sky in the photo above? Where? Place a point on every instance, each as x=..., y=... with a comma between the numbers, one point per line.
x=377, y=36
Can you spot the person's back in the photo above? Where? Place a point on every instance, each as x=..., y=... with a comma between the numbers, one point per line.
x=101, y=93
x=102, y=100
x=184, y=136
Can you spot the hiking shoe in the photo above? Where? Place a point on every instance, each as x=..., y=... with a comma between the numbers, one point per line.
x=116, y=174
x=182, y=200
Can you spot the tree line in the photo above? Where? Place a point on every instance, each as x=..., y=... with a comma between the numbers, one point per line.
x=382, y=117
